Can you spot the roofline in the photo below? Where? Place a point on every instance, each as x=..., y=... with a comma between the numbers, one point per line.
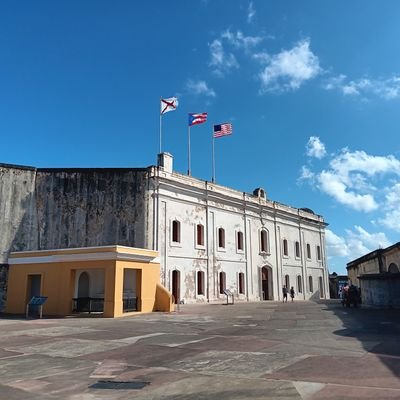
x=371, y=255
x=15, y=166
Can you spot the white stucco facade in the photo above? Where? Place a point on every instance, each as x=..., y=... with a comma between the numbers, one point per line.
x=248, y=247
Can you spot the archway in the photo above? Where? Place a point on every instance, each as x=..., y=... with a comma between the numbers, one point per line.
x=83, y=285
x=393, y=268
x=266, y=283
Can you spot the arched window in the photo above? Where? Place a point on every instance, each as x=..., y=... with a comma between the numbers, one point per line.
x=308, y=251
x=287, y=282
x=241, y=282
x=200, y=235
x=310, y=284
x=264, y=245
x=239, y=240
x=221, y=238
x=299, y=284
x=319, y=253
x=222, y=282
x=297, y=249
x=285, y=247
x=200, y=282
x=176, y=231
x=393, y=268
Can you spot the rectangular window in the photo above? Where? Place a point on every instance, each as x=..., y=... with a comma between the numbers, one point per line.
x=263, y=241
x=200, y=282
x=285, y=247
x=318, y=253
x=241, y=282
x=239, y=240
x=221, y=238
x=176, y=231
x=308, y=251
x=297, y=249
x=222, y=282
x=200, y=235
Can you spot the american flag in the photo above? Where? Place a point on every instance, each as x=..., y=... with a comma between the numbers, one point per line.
x=195, y=119
x=222, y=130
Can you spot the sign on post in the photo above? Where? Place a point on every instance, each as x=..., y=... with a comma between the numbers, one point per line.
x=36, y=301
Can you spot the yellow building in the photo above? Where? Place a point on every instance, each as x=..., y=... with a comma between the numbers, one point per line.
x=112, y=280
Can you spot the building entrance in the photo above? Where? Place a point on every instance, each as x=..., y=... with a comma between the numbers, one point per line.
x=266, y=283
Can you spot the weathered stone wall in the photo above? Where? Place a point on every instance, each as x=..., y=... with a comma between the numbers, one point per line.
x=54, y=208
x=17, y=209
x=90, y=207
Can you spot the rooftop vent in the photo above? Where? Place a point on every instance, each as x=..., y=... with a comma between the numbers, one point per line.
x=260, y=192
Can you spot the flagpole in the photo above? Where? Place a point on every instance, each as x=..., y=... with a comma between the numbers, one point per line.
x=189, y=150
x=213, y=159
x=160, y=126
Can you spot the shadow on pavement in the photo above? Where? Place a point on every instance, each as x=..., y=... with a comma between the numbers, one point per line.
x=377, y=330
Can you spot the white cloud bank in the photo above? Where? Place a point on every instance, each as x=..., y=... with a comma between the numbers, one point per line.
x=355, y=243
x=289, y=69
x=387, y=89
x=352, y=177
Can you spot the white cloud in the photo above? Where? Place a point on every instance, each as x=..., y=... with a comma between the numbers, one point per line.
x=289, y=69
x=356, y=243
x=336, y=246
x=356, y=179
x=239, y=40
x=333, y=185
x=347, y=162
x=221, y=61
x=315, y=148
x=306, y=174
x=251, y=12
x=199, y=88
x=387, y=89
x=391, y=217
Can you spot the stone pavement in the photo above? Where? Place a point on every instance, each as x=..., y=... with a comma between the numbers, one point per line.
x=266, y=350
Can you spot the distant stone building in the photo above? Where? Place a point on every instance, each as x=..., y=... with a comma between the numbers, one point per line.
x=378, y=275
x=210, y=237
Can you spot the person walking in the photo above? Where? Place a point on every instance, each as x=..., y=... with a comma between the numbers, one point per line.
x=292, y=293
x=284, y=291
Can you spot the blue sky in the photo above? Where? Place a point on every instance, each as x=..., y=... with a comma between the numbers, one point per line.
x=312, y=89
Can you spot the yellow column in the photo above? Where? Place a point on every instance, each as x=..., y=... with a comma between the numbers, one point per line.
x=109, y=291
x=118, y=289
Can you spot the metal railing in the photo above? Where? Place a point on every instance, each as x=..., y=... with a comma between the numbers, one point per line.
x=129, y=304
x=88, y=304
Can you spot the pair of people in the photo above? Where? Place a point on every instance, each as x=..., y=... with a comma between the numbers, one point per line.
x=285, y=293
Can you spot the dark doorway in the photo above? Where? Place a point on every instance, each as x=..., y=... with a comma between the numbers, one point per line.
x=34, y=286
x=176, y=286
x=83, y=285
x=265, y=283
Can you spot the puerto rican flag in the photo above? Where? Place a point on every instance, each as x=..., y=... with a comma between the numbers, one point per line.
x=195, y=119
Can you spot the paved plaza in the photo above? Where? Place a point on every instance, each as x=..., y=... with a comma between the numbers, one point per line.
x=266, y=350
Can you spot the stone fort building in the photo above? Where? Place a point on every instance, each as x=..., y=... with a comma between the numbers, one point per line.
x=209, y=237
